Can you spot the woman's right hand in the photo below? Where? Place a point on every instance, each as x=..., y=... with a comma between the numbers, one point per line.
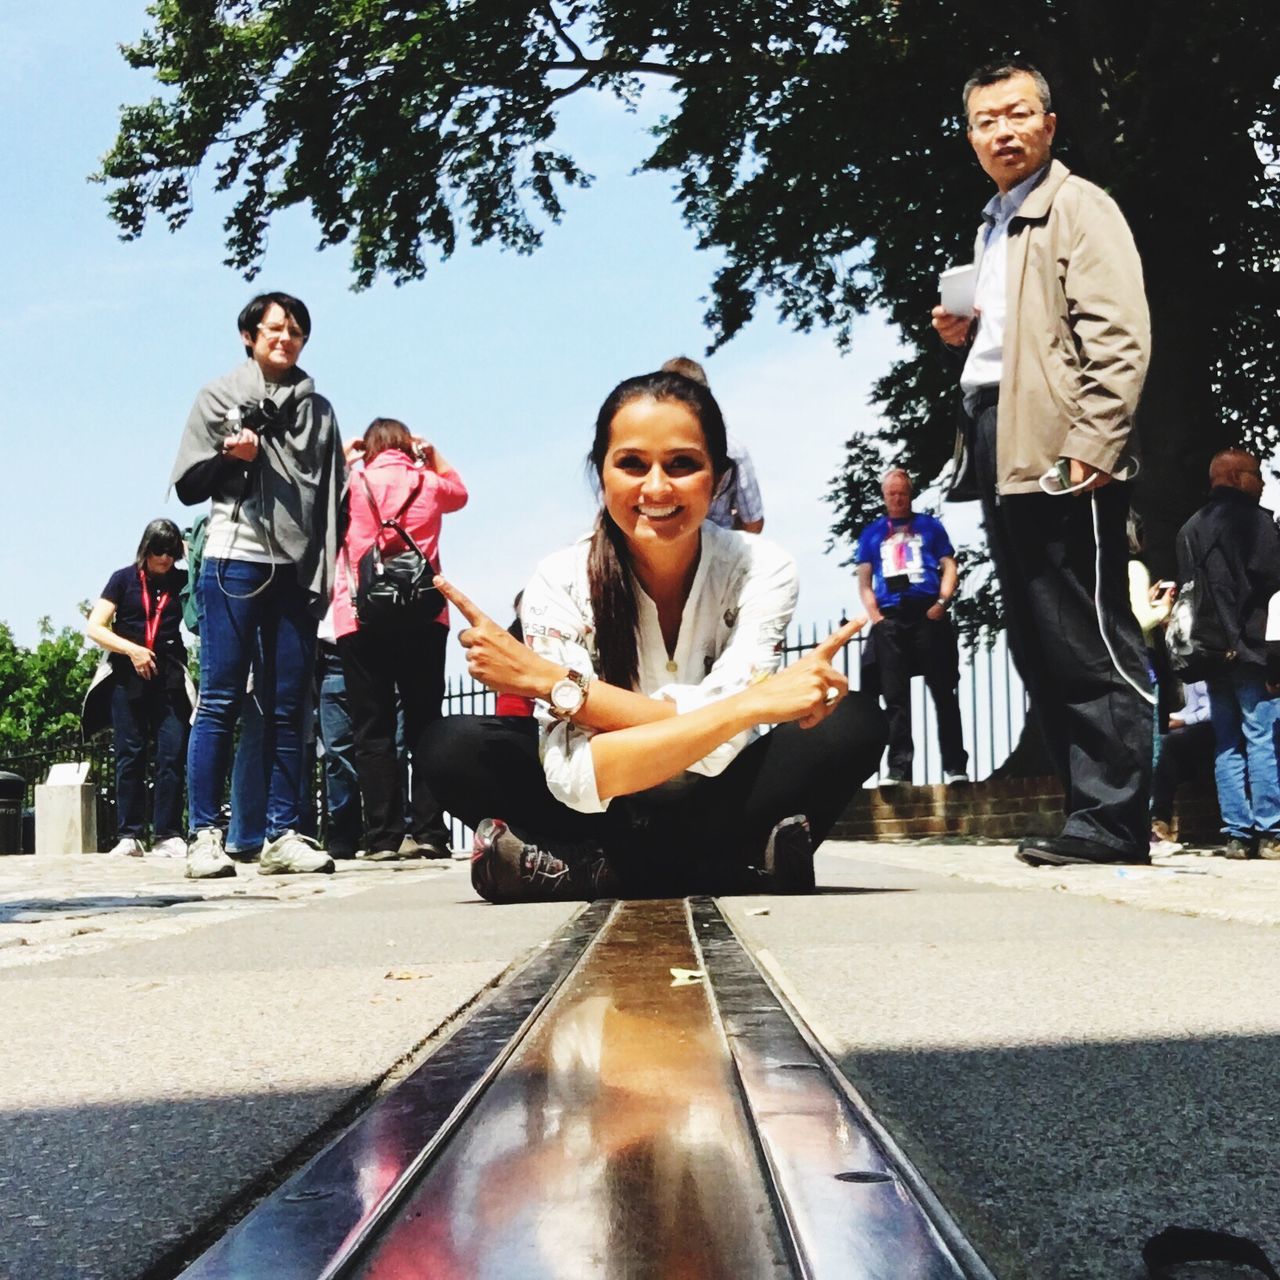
x=242, y=444
x=144, y=661
x=494, y=656
x=809, y=690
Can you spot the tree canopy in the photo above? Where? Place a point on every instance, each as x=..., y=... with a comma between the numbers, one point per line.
x=818, y=144
x=41, y=688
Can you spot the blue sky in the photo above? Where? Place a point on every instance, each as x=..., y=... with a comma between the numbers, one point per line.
x=501, y=360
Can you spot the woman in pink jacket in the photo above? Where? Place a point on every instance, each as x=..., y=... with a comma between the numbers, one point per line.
x=407, y=481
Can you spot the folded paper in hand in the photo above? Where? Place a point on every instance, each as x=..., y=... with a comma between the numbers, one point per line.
x=956, y=286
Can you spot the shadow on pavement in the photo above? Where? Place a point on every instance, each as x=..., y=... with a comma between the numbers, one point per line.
x=1060, y=1162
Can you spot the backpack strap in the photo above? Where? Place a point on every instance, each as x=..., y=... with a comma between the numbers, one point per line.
x=383, y=526
x=399, y=515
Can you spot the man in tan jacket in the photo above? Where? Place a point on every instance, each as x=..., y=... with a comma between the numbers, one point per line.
x=1057, y=348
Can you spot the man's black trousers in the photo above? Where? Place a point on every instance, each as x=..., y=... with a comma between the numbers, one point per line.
x=1185, y=753
x=906, y=643
x=1098, y=726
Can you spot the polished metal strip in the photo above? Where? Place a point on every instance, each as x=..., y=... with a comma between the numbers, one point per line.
x=611, y=1144
x=854, y=1206
x=307, y=1228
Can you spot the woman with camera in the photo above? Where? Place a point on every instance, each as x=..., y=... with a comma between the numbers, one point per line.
x=143, y=684
x=653, y=650
x=394, y=645
x=262, y=445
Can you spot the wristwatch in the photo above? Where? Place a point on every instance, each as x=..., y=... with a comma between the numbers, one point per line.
x=568, y=694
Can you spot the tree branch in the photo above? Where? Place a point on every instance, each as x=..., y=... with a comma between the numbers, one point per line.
x=626, y=66
x=560, y=31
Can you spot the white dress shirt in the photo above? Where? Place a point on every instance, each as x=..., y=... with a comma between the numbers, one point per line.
x=991, y=293
x=732, y=633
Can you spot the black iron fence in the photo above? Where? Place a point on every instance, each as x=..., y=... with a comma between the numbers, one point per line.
x=992, y=708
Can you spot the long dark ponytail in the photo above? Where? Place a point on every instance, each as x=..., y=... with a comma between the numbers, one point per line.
x=609, y=576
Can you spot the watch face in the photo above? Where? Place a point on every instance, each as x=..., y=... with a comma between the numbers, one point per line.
x=566, y=696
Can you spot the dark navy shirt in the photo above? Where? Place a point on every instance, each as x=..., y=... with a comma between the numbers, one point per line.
x=124, y=590
x=905, y=557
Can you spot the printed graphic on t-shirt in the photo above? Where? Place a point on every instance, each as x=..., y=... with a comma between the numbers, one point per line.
x=902, y=560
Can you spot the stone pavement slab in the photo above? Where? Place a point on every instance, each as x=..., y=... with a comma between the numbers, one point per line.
x=169, y=1043
x=1075, y=1062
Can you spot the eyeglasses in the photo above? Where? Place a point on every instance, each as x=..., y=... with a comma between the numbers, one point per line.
x=273, y=331
x=1018, y=118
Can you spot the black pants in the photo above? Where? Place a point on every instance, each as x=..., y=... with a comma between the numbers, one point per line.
x=377, y=665
x=906, y=643
x=1097, y=726
x=1185, y=753
x=695, y=839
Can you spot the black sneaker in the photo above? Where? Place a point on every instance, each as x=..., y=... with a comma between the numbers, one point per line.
x=505, y=869
x=1238, y=850
x=788, y=857
x=425, y=847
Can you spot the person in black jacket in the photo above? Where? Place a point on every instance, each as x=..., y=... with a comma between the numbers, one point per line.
x=1230, y=549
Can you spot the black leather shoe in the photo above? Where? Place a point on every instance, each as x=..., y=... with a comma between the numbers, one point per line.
x=788, y=857
x=1061, y=851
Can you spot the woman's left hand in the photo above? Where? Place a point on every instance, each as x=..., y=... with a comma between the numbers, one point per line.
x=425, y=452
x=494, y=656
x=809, y=690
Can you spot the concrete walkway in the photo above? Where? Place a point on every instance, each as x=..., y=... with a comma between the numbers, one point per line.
x=1074, y=1058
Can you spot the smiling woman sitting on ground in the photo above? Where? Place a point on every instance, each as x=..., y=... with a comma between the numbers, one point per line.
x=653, y=649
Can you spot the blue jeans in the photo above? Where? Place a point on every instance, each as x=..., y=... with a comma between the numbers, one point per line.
x=233, y=623
x=153, y=714
x=1244, y=730
x=248, y=826
x=342, y=791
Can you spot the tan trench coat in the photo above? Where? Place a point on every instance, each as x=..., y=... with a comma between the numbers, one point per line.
x=1078, y=335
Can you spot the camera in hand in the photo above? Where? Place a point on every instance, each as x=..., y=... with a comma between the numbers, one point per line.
x=261, y=415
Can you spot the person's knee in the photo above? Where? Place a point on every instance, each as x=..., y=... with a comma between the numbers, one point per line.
x=448, y=748
x=860, y=728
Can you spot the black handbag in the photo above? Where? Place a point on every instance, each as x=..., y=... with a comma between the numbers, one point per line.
x=393, y=591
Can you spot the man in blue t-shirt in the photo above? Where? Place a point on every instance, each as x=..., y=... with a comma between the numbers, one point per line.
x=907, y=577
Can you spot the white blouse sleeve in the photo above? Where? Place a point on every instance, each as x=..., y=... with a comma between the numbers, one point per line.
x=760, y=602
x=557, y=625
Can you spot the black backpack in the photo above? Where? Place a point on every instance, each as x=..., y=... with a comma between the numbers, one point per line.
x=394, y=591
x=1199, y=643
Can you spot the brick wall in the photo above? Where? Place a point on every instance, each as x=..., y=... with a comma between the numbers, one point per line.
x=1001, y=809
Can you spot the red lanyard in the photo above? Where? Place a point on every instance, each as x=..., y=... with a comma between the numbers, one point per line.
x=151, y=621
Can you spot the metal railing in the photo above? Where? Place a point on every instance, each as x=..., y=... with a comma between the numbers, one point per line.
x=993, y=704
x=992, y=711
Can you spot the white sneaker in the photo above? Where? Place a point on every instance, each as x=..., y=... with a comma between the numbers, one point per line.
x=206, y=859
x=955, y=779
x=173, y=847
x=293, y=854
x=128, y=847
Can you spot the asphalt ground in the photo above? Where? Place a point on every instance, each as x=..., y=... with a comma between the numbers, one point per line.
x=1074, y=1058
